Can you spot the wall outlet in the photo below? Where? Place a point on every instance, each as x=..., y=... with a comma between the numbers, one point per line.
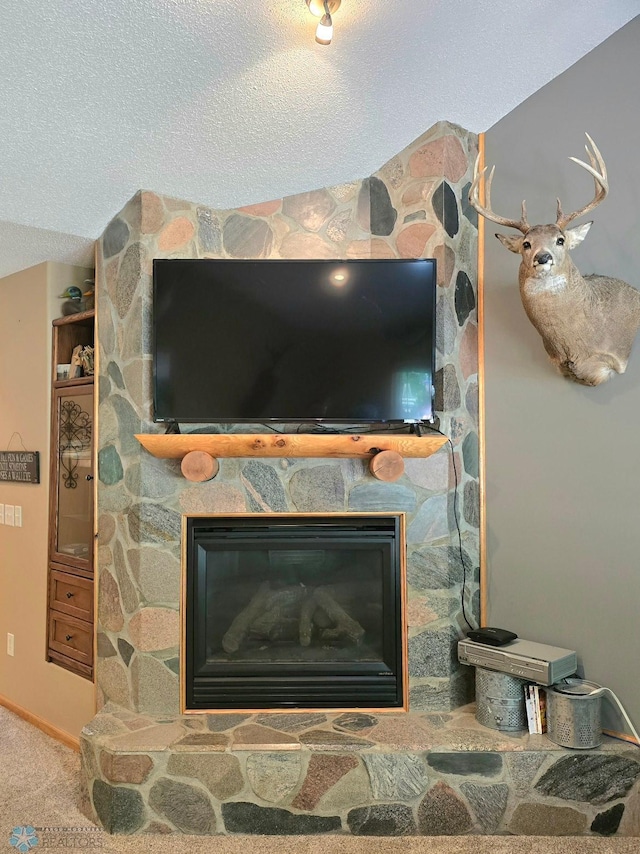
x=11, y=644
x=1, y=514
x=8, y=514
x=17, y=516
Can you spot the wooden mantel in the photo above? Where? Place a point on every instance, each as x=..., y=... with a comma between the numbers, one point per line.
x=364, y=445
x=200, y=446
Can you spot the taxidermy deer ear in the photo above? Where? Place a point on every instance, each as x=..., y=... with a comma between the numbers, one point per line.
x=512, y=242
x=577, y=235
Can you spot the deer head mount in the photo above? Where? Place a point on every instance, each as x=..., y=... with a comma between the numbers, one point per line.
x=587, y=323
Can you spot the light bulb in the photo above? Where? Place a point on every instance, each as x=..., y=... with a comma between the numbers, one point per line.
x=316, y=7
x=324, y=32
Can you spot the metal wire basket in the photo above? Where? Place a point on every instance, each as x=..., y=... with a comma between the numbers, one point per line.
x=500, y=701
x=574, y=714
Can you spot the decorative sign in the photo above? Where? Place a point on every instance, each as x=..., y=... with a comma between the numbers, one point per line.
x=20, y=466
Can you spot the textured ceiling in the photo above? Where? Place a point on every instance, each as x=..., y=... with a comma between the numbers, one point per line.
x=229, y=102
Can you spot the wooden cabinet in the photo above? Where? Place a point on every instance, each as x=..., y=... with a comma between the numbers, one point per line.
x=71, y=502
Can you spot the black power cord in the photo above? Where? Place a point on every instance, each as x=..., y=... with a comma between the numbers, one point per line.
x=418, y=429
x=320, y=429
x=457, y=521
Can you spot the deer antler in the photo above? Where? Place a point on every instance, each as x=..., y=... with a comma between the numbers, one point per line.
x=474, y=200
x=599, y=172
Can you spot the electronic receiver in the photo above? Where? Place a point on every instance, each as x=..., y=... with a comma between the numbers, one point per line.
x=537, y=662
x=491, y=635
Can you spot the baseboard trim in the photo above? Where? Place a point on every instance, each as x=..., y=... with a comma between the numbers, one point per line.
x=623, y=736
x=41, y=724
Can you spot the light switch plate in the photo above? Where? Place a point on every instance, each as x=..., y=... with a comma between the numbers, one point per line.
x=17, y=516
x=8, y=514
x=1, y=514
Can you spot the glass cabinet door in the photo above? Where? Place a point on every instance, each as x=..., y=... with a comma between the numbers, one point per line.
x=72, y=529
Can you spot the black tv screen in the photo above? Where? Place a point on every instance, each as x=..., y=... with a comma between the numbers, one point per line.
x=256, y=341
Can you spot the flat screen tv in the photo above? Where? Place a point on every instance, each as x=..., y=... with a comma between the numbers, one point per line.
x=306, y=341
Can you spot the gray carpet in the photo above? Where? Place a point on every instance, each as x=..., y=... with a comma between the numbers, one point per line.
x=38, y=787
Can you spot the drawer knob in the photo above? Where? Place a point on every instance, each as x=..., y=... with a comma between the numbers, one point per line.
x=69, y=595
x=68, y=637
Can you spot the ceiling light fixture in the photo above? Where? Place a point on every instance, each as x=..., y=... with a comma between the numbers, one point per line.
x=323, y=9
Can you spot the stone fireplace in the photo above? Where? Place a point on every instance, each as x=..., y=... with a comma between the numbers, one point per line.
x=415, y=206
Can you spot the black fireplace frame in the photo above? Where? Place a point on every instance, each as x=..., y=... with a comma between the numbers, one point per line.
x=372, y=685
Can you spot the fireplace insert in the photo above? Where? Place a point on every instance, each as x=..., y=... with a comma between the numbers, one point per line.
x=294, y=611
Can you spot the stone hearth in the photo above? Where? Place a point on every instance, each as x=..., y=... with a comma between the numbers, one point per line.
x=354, y=773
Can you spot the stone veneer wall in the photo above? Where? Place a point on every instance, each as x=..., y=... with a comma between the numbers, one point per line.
x=412, y=207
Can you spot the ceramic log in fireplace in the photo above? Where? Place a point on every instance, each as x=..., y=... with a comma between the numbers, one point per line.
x=294, y=611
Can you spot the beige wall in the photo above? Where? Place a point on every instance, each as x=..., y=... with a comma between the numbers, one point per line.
x=28, y=303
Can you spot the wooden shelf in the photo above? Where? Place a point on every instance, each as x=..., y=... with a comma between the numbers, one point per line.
x=87, y=380
x=340, y=445
x=86, y=318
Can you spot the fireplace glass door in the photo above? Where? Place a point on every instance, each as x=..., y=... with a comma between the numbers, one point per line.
x=294, y=612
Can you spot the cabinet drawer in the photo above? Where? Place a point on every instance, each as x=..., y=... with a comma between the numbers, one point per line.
x=71, y=637
x=71, y=595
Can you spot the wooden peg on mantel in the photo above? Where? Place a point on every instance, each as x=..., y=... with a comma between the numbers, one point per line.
x=387, y=466
x=198, y=466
